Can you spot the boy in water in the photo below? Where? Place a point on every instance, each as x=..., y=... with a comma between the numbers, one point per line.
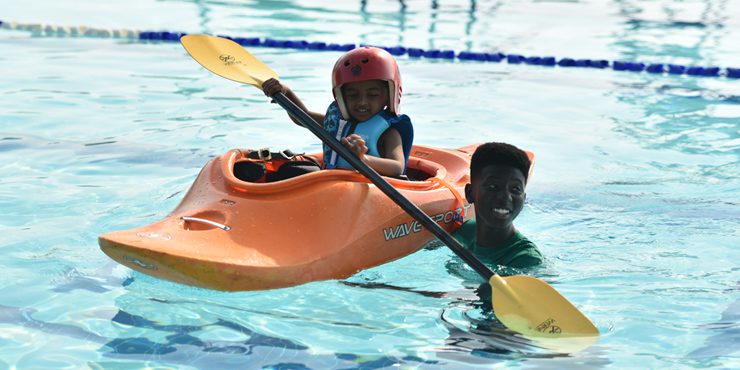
x=498, y=176
x=364, y=115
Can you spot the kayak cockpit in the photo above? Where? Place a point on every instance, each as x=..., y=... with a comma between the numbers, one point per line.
x=426, y=170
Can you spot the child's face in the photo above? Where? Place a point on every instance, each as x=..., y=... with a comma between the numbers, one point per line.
x=365, y=99
x=498, y=195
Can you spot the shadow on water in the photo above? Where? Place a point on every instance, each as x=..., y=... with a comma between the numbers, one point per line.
x=181, y=335
x=424, y=293
x=181, y=347
x=481, y=339
x=725, y=342
x=476, y=336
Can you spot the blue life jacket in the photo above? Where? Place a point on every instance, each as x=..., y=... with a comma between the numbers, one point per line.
x=369, y=130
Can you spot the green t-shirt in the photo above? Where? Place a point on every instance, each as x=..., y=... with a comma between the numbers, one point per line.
x=517, y=252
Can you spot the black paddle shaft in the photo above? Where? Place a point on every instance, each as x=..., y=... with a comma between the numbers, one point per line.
x=410, y=208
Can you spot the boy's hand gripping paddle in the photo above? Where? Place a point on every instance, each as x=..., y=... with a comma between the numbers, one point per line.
x=524, y=304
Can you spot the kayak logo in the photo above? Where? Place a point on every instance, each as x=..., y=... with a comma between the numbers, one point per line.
x=405, y=229
x=548, y=326
x=228, y=59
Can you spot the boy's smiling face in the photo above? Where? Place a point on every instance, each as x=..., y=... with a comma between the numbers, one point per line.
x=365, y=99
x=498, y=194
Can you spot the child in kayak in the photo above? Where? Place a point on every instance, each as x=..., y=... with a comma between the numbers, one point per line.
x=498, y=176
x=364, y=115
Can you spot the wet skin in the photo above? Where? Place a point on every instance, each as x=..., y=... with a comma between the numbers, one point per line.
x=498, y=194
x=365, y=99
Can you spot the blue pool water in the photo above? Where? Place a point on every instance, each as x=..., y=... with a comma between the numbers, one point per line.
x=634, y=198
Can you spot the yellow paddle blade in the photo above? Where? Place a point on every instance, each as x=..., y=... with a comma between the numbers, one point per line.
x=227, y=59
x=532, y=307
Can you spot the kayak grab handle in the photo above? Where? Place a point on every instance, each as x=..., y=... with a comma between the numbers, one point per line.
x=207, y=222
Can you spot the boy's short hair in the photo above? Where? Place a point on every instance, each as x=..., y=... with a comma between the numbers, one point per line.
x=499, y=154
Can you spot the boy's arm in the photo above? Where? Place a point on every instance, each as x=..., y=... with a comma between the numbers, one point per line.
x=273, y=86
x=391, y=161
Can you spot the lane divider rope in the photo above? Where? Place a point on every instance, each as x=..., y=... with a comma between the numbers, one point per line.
x=438, y=54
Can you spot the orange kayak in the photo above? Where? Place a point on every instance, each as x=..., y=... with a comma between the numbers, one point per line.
x=229, y=234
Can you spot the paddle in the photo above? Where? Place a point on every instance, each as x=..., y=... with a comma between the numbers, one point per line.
x=524, y=304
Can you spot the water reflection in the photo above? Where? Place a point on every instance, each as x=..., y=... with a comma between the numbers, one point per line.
x=694, y=116
x=374, y=18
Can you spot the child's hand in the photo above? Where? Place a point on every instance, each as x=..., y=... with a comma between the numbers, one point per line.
x=272, y=87
x=356, y=144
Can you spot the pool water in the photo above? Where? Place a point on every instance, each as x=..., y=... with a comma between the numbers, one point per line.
x=633, y=201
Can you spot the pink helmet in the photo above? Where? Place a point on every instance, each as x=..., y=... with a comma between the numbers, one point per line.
x=363, y=64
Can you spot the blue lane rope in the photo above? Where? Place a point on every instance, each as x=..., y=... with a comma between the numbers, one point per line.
x=497, y=57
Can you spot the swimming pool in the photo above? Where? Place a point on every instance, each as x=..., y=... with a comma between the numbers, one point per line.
x=633, y=199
